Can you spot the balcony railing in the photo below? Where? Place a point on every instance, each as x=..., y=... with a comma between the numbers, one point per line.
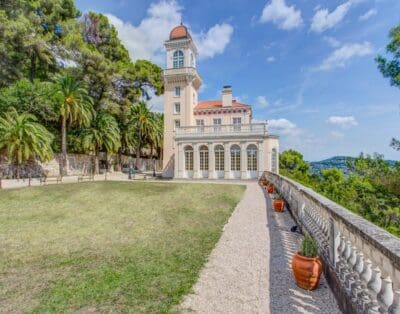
x=182, y=71
x=222, y=130
x=362, y=261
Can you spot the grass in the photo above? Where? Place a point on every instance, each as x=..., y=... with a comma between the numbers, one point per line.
x=107, y=246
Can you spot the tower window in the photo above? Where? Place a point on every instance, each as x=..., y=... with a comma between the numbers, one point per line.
x=177, y=108
x=177, y=124
x=178, y=59
x=177, y=91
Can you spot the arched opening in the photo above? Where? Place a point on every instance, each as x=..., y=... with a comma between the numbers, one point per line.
x=235, y=161
x=188, y=150
x=252, y=160
x=274, y=160
x=219, y=154
x=204, y=163
x=178, y=59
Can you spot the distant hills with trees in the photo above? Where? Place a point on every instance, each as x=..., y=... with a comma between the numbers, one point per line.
x=339, y=162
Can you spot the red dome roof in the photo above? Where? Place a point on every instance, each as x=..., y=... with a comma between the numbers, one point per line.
x=179, y=32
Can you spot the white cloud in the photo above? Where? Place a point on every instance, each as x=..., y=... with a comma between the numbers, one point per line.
x=341, y=56
x=284, y=16
x=146, y=40
x=214, y=41
x=323, y=19
x=156, y=103
x=261, y=102
x=284, y=127
x=333, y=42
x=367, y=15
x=342, y=121
x=271, y=59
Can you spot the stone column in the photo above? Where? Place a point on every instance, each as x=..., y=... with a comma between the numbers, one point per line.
x=196, y=161
x=180, y=157
x=261, y=160
x=211, y=161
x=243, y=160
x=227, y=147
x=177, y=159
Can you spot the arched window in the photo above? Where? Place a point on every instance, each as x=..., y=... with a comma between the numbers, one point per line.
x=188, y=158
x=235, y=158
x=252, y=157
x=219, y=158
x=203, y=157
x=274, y=161
x=178, y=59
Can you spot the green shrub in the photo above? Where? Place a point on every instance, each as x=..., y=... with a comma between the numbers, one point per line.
x=309, y=247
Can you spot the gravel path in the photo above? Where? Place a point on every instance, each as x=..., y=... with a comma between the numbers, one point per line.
x=249, y=269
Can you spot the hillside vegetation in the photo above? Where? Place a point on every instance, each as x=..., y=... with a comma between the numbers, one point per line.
x=371, y=189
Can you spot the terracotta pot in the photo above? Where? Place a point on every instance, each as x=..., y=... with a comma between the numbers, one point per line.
x=279, y=205
x=264, y=182
x=270, y=188
x=307, y=271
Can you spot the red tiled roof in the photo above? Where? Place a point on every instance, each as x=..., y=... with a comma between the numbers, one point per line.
x=179, y=32
x=214, y=104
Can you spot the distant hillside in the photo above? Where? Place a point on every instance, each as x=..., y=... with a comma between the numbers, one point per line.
x=339, y=162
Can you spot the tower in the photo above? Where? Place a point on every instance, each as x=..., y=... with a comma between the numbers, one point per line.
x=181, y=86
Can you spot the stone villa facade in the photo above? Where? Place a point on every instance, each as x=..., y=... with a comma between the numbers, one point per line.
x=208, y=139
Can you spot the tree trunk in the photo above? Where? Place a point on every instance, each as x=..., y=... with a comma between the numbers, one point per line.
x=119, y=160
x=63, y=167
x=96, y=162
x=138, y=156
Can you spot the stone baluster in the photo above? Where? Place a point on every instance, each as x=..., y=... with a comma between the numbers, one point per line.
x=365, y=277
x=351, y=263
x=374, y=286
x=340, y=252
x=356, y=285
x=345, y=268
x=385, y=296
x=395, y=307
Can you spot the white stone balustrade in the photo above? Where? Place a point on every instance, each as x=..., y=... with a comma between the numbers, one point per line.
x=362, y=261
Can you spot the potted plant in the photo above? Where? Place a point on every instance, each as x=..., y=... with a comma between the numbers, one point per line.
x=264, y=182
x=278, y=203
x=270, y=188
x=306, y=264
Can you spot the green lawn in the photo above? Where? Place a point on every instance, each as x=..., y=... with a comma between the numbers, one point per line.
x=108, y=246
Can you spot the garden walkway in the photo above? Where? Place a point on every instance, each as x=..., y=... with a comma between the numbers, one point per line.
x=249, y=269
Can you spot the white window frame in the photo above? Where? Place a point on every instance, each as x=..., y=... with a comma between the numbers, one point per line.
x=204, y=158
x=177, y=124
x=217, y=126
x=219, y=154
x=177, y=105
x=178, y=59
x=189, y=159
x=235, y=158
x=252, y=158
x=177, y=91
x=200, y=125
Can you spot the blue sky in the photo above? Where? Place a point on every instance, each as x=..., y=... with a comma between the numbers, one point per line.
x=306, y=66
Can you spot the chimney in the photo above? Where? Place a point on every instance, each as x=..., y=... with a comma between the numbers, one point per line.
x=227, y=96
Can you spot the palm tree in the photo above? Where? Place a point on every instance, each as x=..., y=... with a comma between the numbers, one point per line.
x=141, y=125
x=103, y=134
x=157, y=136
x=24, y=138
x=75, y=107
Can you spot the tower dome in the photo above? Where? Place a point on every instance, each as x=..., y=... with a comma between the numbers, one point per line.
x=179, y=32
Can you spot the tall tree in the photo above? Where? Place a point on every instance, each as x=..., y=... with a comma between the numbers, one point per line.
x=142, y=124
x=24, y=138
x=74, y=106
x=390, y=68
x=103, y=134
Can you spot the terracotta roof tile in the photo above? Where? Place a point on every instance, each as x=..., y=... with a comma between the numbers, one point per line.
x=179, y=32
x=212, y=104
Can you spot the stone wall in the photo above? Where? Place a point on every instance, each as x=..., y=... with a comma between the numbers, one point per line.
x=362, y=261
x=77, y=164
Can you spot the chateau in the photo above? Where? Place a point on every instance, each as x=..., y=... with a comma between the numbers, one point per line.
x=208, y=139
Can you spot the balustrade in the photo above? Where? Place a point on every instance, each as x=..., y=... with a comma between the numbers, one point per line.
x=364, y=258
